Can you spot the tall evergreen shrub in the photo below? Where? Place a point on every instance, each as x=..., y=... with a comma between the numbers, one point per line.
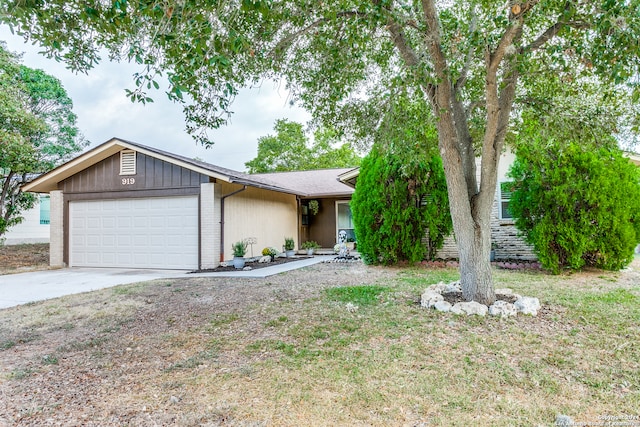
x=578, y=206
x=399, y=197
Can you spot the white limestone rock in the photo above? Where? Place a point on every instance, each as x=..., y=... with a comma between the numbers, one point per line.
x=470, y=308
x=224, y=264
x=438, y=287
x=453, y=287
x=264, y=259
x=502, y=309
x=528, y=305
x=247, y=268
x=443, y=306
x=430, y=298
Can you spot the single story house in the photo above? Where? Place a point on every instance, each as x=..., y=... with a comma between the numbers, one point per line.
x=123, y=204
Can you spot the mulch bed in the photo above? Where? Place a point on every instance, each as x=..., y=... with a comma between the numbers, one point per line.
x=254, y=265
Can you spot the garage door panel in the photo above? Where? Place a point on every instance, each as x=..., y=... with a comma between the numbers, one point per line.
x=138, y=233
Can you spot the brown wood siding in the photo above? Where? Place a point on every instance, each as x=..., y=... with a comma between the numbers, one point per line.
x=151, y=174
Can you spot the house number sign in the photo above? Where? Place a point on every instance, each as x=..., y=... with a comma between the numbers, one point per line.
x=128, y=181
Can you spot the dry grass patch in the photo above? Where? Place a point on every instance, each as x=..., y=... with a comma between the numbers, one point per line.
x=327, y=345
x=22, y=258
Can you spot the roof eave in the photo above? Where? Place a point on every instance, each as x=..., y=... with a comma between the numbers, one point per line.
x=49, y=181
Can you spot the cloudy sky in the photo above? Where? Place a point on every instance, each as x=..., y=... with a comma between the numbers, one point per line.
x=104, y=111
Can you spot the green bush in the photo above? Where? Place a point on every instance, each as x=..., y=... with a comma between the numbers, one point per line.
x=399, y=196
x=577, y=206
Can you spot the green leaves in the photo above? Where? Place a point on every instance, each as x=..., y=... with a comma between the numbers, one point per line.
x=290, y=150
x=37, y=132
x=577, y=205
x=400, y=198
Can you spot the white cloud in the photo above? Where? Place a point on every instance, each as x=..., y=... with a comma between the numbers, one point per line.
x=104, y=111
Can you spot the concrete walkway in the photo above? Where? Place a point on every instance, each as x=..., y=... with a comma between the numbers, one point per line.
x=22, y=288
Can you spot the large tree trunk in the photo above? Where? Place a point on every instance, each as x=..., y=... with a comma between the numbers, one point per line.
x=471, y=216
x=473, y=239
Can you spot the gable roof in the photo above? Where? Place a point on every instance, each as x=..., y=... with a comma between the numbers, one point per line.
x=300, y=183
x=313, y=183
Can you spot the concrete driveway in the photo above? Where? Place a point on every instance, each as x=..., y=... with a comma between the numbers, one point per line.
x=16, y=289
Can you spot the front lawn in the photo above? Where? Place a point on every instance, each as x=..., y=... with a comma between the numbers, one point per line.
x=330, y=345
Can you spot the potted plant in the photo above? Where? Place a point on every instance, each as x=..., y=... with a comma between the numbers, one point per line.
x=270, y=252
x=239, y=250
x=314, y=206
x=310, y=246
x=289, y=246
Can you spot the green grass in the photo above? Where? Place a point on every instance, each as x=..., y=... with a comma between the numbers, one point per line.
x=358, y=295
x=308, y=359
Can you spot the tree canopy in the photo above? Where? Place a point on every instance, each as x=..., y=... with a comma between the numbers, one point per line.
x=470, y=62
x=37, y=132
x=290, y=150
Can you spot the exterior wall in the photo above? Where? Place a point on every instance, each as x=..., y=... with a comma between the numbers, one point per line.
x=153, y=178
x=503, y=232
x=322, y=227
x=30, y=230
x=267, y=216
x=210, y=225
x=56, y=245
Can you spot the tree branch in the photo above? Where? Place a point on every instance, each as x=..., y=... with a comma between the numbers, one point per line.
x=287, y=41
x=400, y=41
x=467, y=64
x=554, y=30
x=3, y=195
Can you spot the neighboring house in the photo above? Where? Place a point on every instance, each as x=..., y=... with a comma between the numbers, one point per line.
x=123, y=204
x=35, y=226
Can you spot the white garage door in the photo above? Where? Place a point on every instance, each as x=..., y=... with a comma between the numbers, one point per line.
x=155, y=232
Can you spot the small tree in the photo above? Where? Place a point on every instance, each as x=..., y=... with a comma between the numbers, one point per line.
x=291, y=150
x=399, y=197
x=577, y=205
x=37, y=132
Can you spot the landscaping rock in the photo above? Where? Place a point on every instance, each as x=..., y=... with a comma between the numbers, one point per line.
x=441, y=296
x=247, y=268
x=470, y=308
x=438, y=287
x=502, y=309
x=430, y=298
x=453, y=287
x=443, y=306
x=528, y=305
x=264, y=259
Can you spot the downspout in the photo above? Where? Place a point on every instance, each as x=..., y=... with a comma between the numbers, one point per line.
x=244, y=187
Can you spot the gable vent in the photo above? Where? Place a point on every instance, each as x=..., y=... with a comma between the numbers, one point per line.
x=127, y=162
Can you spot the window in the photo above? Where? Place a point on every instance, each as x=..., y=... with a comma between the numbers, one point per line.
x=45, y=209
x=127, y=162
x=505, y=198
x=345, y=221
